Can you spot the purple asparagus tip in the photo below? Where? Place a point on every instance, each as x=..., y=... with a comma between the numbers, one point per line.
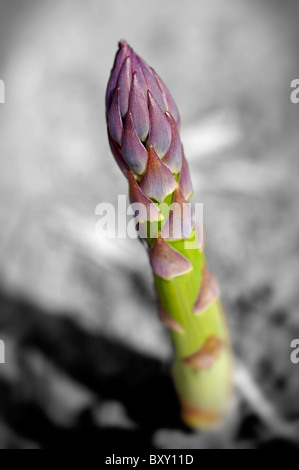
x=144, y=135
x=141, y=114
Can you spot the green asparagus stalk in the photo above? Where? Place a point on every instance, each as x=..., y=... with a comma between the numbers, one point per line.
x=144, y=134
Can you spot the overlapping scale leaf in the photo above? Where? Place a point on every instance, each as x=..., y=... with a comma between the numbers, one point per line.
x=174, y=155
x=180, y=222
x=133, y=150
x=158, y=181
x=124, y=85
x=147, y=210
x=170, y=104
x=160, y=128
x=114, y=119
x=138, y=108
x=167, y=262
x=123, y=52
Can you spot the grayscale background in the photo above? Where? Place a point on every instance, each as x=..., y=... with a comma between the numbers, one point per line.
x=87, y=360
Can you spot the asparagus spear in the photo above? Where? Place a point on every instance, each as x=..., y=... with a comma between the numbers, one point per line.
x=144, y=134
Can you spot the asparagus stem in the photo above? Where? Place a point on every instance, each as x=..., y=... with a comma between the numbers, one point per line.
x=191, y=309
x=143, y=129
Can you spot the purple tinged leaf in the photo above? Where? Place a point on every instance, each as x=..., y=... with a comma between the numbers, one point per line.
x=134, y=152
x=118, y=156
x=124, y=85
x=174, y=156
x=170, y=103
x=114, y=119
x=152, y=85
x=208, y=293
x=207, y=355
x=120, y=57
x=169, y=321
x=137, y=69
x=138, y=108
x=148, y=211
x=180, y=222
x=158, y=181
x=167, y=262
x=123, y=44
x=185, y=183
x=160, y=129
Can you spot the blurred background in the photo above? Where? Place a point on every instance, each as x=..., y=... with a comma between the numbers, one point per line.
x=87, y=360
